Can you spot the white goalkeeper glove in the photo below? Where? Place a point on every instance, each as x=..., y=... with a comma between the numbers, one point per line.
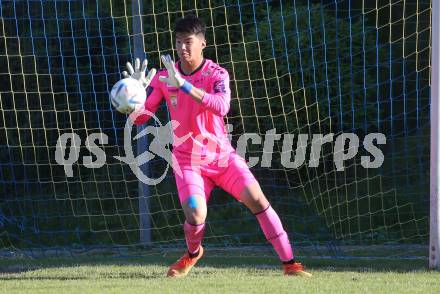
x=174, y=78
x=139, y=73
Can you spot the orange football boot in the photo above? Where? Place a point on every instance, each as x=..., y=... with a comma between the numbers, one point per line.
x=182, y=267
x=295, y=269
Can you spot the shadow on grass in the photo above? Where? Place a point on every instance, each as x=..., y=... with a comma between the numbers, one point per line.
x=27, y=269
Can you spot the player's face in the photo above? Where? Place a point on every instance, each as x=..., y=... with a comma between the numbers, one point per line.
x=189, y=47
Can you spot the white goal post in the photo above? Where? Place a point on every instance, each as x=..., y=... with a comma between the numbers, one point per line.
x=434, y=234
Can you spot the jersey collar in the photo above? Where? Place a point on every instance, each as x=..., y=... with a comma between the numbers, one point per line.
x=195, y=71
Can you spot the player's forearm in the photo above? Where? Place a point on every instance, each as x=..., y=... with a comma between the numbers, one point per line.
x=196, y=94
x=143, y=114
x=218, y=103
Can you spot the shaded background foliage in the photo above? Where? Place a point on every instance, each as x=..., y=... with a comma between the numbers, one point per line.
x=298, y=66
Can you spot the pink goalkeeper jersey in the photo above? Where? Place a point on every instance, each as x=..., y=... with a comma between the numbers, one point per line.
x=201, y=123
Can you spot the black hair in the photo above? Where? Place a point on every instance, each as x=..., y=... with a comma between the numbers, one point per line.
x=190, y=24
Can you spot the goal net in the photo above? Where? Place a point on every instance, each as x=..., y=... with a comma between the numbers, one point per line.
x=319, y=79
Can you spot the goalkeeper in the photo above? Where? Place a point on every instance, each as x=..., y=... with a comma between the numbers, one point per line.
x=198, y=96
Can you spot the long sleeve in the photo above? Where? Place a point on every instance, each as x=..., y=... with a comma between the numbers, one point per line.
x=154, y=97
x=220, y=99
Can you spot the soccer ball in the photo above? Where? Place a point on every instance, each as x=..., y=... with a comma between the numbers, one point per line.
x=127, y=95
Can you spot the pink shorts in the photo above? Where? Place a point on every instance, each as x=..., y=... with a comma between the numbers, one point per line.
x=201, y=179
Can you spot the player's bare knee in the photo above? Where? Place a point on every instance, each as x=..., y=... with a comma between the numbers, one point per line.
x=195, y=220
x=260, y=205
x=254, y=199
x=195, y=209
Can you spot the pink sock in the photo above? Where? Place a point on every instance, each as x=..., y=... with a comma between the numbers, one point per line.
x=272, y=228
x=193, y=236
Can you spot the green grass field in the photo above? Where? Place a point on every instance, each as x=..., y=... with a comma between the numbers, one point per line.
x=216, y=274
